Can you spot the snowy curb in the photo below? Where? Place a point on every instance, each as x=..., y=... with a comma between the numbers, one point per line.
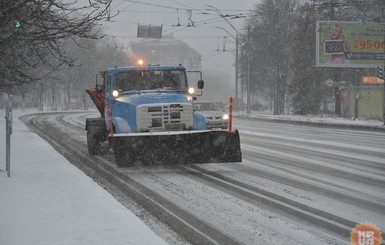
x=316, y=121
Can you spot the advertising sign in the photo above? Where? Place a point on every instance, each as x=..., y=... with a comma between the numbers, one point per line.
x=349, y=44
x=372, y=80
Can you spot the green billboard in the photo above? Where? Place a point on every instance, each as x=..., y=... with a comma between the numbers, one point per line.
x=349, y=44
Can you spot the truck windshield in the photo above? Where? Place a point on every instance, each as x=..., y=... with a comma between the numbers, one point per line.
x=128, y=81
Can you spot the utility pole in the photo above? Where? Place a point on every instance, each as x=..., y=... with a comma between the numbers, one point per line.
x=236, y=70
x=8, y=119
x=236, y=55
x=248, y=92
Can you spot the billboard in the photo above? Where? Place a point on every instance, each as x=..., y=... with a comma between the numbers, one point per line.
x=349, y=44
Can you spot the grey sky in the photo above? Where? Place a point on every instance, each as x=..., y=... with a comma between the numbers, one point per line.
x=205, y=37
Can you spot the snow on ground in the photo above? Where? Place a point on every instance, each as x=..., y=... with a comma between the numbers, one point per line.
x=49, y=201
x=315, y=119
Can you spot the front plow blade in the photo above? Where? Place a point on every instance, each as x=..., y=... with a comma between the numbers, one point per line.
x=176, y=147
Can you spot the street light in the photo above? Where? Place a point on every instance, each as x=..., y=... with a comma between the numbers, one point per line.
x=236, y=53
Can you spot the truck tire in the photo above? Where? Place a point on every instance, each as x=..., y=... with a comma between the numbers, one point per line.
x=92, y=142
x=96, y=134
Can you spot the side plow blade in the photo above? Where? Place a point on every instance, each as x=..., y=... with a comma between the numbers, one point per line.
x=177, y=148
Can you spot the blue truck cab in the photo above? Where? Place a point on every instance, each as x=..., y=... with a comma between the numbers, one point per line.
x=149, y=99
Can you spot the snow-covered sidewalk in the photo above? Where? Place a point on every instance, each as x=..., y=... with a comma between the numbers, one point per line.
x=315, y=120
x=49, y=201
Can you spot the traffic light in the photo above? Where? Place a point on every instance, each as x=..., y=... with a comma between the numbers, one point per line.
x=17, y=23
x=380, y=72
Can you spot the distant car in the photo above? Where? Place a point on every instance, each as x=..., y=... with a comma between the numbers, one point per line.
x=222, y=106
x=215, y=117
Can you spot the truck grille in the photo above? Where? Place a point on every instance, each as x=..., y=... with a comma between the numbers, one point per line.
x=164, y=117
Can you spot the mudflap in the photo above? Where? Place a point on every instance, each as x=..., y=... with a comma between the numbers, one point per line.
x=194, y=147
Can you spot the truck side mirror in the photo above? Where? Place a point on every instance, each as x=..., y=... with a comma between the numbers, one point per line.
x=201, y=84
x=99, y=88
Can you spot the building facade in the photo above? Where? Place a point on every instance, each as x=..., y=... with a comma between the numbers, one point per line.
x=166, y=51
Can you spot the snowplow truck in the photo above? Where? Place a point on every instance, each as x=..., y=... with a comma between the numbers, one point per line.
x=147, y=115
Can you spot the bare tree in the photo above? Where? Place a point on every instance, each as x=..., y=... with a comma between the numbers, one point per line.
x=32, y=34
x=93, y=56
x=269, y=48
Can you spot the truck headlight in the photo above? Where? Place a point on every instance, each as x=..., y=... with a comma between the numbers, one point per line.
x=115, y=93
x=225, y=117
x=191, y=91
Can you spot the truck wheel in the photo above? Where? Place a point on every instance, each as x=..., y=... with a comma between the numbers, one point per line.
x=93, y=143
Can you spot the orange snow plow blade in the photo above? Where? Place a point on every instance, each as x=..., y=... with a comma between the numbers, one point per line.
x=176, y=147
x=97, y=98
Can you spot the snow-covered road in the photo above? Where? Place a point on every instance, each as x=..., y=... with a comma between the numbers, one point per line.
x=296, y=184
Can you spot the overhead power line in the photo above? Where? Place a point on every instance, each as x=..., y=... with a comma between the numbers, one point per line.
x=194, y=9
x=187, y=37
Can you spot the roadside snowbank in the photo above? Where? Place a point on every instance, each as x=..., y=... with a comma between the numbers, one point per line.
x=49, y=201
x=316, y=119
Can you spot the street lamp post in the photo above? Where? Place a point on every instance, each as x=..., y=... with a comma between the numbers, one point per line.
x=8, y=118
x=236, y=55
